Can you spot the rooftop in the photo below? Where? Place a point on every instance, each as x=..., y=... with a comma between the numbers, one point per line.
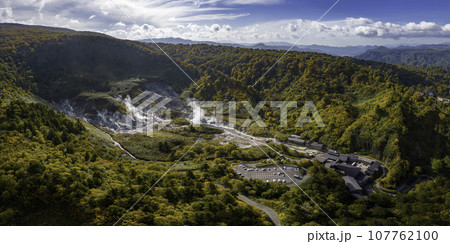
x=351, y=184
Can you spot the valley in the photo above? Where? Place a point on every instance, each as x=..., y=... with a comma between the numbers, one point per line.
x=381, y=158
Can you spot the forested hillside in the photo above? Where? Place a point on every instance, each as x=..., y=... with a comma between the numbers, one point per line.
x=56, y=170
x=63, y=64
x=370, y=108
x=422, y=56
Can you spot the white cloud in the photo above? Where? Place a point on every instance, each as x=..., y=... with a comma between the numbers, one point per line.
x=446, y=28
x=207, y=17
x=243, y=2
x=350, y=31
x=6, y=15
x=211, y=20
x=120, y=24
x=368, y=28
x=215, y=27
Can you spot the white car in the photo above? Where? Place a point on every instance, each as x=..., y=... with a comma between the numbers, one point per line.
x=274, y=180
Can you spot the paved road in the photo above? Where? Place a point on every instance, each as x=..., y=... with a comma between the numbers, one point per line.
x=270, y=212
x=404, y=188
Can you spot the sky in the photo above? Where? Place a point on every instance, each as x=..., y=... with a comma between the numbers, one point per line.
x=347, y=23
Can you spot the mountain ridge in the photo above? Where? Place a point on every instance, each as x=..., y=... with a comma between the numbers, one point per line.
x=421, y=56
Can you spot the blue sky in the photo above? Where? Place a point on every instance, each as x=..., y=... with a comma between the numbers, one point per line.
x=385, y=10
x=350, y=22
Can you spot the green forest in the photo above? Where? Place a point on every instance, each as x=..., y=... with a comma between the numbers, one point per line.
x=422, y=56
x=58, y=170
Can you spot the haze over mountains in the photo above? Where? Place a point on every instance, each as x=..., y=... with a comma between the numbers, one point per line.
x=363, y=52
x=421, y=56
x=336, y=51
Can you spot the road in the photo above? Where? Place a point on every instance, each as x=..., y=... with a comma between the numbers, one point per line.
x=270, y=212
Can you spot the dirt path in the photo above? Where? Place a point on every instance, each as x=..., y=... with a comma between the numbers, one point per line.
x=117, y=144
x=270, y=212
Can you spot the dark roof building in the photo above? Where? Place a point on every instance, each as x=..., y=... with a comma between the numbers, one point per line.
x=329, y=164
x=352, y=185
x=332, y=157
x=346, y=169
x=364, y=160
x=321, y=158
x=374, y=167
x=343, y=158
x=296, y=141
x=332, y=152
x=317, y=146
x=353, y=158
x=362, y=178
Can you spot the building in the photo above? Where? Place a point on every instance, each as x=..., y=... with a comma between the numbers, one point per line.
x=346, y=169
x=321, y=158
x=332, y=152
x=352, y=185
x=373, y=168
x=362, y=179
x=317, y=146
x=330, y=165
x=332, y=157
x=364, y=160
x=296, y=140
x=343, y=158
x=353, y=158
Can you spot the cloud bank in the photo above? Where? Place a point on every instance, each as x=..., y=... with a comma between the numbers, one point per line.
x=210, y=20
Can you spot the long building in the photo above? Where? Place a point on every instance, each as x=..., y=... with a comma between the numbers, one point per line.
x=352, y=185
x=296, y=141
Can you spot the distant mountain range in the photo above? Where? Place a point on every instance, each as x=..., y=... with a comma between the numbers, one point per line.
x=336, y=51
x=421, y=56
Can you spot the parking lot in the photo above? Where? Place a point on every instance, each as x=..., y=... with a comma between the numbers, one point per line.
x=287, y=174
